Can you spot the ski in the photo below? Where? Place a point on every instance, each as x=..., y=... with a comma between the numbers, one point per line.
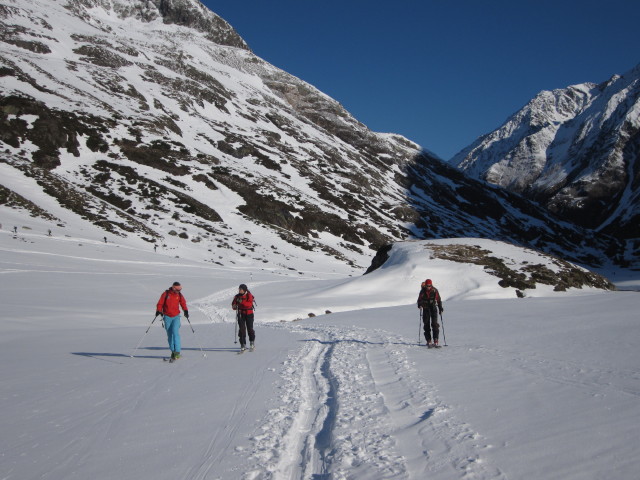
x=242, y=350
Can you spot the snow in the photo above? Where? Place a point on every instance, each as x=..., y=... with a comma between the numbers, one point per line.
x=540, y=387
x=567, y=141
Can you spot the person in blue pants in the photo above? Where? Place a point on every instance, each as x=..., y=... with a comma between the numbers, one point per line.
x=169, y=307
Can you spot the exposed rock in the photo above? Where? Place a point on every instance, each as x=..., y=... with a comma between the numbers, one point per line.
x=163, y=131
x=574, y=150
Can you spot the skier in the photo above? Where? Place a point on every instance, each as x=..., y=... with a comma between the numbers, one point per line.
x=243, y=304
x=169, y=307
x=430, y=302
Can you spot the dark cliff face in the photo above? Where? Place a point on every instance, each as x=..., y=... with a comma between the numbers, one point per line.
x=192, y=14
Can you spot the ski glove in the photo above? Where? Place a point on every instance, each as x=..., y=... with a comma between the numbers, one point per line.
x=186, y=313
x=441, y=310
x=158, y=313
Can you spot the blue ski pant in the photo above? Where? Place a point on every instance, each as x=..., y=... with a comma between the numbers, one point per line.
x=172, y=325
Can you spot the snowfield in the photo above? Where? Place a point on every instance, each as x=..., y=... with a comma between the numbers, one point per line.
x=545, y=387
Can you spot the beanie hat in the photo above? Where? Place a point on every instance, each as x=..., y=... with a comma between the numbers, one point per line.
x=428, y=282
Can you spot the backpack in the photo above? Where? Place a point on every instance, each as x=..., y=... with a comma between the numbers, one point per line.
x=166, y=295
x=428, y=299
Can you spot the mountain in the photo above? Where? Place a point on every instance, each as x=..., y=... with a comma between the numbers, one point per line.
x=574, y=150
x=154, y=121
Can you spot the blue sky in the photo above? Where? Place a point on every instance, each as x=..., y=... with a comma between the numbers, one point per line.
x=443, y=72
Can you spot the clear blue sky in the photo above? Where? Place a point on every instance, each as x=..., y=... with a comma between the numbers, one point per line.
x=442, y=72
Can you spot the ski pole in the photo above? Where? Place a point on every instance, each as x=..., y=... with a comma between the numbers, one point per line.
x=443, y=335
x=235, y=330
x=142, y=338
x=197, y=341
x=419, y=326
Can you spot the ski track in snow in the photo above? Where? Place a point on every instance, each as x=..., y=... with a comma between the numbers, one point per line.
x=210, y=305
x=351, y=402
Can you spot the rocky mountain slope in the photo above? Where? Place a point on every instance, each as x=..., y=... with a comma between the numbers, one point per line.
x=154, y=120
x=574, y=150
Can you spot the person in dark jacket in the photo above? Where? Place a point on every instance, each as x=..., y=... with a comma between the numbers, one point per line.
x=243, y=305
x=430, y=302
x=169, y=307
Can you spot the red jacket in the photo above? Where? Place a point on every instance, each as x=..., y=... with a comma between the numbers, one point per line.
x=244, y=303
x=170, y=303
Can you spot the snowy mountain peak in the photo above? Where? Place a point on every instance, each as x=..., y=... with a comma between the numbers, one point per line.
x=575, y=150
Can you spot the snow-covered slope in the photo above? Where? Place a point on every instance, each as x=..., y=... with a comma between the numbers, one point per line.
x=135, y=122
x=154, y=122
x=525, y=388
x=575, y=150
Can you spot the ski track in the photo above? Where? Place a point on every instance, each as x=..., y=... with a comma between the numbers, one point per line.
x=211, y=307
x=354, y=406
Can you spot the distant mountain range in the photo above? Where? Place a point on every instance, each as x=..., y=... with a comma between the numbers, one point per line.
x=154, y=119
x=574, y=150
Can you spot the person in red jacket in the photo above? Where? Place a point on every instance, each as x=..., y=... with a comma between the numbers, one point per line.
x=169, y=307
x=430, y=302
x=243, y=305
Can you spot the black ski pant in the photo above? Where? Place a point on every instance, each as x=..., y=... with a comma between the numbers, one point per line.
x=245, y=322
x=430, y=322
